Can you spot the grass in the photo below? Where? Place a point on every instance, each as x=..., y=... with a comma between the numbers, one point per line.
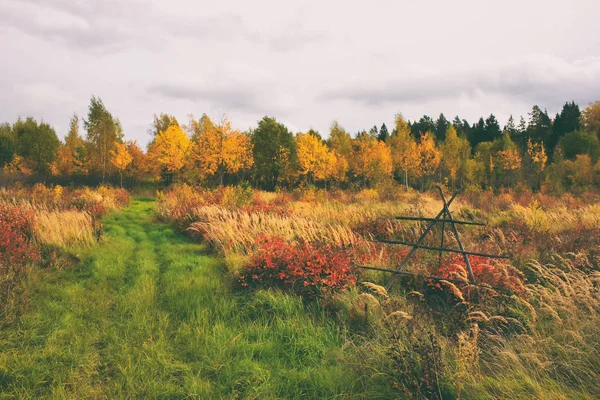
x=147, y=314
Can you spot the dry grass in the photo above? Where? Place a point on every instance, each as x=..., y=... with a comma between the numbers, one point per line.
x=237, y=230
x=64, y=228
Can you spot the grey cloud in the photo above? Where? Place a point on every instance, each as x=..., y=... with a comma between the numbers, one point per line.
x=545, y=80
x=229, y=97
x=86, y=26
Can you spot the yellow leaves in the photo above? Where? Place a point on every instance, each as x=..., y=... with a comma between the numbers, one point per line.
x=18, y=164
x=170, y=149
x=509, y=159
x=220, y=149
x=538, y=155
x=405, y=155
x=591, y=117
x=314, y=158
x=119, y=156
x=455, y=152
x=372, y=159
x=430, y=155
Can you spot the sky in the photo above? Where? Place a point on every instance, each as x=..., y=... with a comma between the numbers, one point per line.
x=305, y=63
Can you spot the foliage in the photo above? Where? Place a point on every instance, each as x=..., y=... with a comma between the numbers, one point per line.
x=170, y=149
x=372, y=160
x=16, y=246
x=273, y=150
x=308, y=269
x=220, y=149
x=38, y=144
x=315, y=160
x=103, y=131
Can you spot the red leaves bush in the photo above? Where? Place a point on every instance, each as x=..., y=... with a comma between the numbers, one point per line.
x=497, y=274
x=16, y=248
x=308, y=269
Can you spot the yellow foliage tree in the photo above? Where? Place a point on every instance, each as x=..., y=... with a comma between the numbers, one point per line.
x=537, y=152
x=455, y=152
x=138, y=168
x=315, y=160
x=430, y=155
x=120, y=158
x=170, y=150
x=339, y=167
x=221, y=149
x=372, y=159
x=405, y=155
x=591, y=117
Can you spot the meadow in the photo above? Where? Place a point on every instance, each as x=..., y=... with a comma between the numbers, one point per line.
x=236, y=292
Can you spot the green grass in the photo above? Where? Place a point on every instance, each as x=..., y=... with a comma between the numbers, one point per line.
x=148, y=314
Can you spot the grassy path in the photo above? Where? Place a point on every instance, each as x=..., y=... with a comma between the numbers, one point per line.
x=147, y=314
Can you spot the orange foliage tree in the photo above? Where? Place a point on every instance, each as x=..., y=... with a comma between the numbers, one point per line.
x=372, y=159
x=220, y=149
x=170, y=150
x=120, y=158
x=139, y=167
x=315, y=160
x=430, y=155
x=405, y=155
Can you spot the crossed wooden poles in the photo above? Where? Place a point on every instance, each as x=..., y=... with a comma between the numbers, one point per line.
x=444, y=217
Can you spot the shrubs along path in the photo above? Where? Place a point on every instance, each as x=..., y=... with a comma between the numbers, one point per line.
x=148, y=314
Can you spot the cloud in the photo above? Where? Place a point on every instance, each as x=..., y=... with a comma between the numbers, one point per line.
x=80, y=25
x=535, y=79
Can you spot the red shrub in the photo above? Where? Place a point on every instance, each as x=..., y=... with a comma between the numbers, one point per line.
x=16, y=249
x=308, y=269
x=497, y=274
x=122, y=197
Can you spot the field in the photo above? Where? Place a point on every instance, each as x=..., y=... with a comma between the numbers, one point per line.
x=240, y=293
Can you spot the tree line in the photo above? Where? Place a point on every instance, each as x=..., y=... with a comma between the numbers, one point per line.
x=552, y=153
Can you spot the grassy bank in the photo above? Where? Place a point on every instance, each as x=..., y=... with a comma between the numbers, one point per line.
x=146, y=314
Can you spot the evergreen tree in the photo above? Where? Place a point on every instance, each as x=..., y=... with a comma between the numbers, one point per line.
x=383, y=133
x=540, y=125
x=8, y=144
x=492, y=129
x=569, y=120
x=441, y=126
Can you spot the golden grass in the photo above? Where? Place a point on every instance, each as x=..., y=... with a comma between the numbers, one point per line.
x=236, y=230
x=64, y=228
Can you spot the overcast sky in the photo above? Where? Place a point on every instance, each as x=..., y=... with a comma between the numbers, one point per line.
x=305, y=63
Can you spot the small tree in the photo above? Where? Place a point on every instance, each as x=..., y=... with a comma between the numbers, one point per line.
x=120, y=158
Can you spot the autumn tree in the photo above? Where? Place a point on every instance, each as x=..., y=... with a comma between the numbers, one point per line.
x=455, y=152
x=591, y=118
x=120, y=158
x=371, y=160
x=339, y=140
x=102, y=132
x=430, y=156
x=139, y=167
x=72, y=157
x=403, y=148
x=196, y=127
x=170, y=150
x=221, y=149
x=161, y=123
x=315, y=160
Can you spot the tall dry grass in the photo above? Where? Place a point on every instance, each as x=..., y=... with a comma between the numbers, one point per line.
x=64, y=228
x=237, y=230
